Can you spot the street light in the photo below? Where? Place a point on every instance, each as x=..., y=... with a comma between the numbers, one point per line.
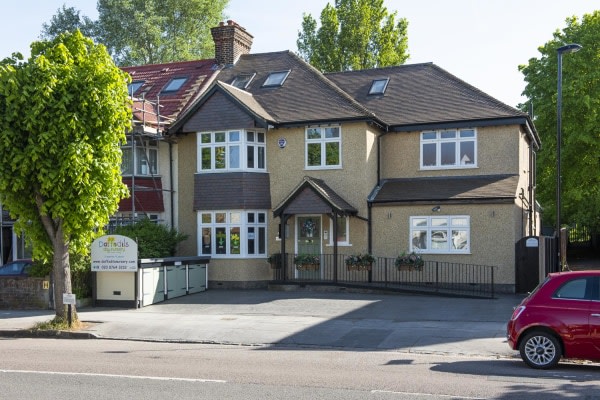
x=569, y=48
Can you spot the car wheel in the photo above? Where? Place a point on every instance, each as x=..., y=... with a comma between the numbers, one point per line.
x=540, y=349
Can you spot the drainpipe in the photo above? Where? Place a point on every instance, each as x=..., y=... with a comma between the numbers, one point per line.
x=172, y=191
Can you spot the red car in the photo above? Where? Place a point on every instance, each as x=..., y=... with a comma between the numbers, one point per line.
x=560, y=318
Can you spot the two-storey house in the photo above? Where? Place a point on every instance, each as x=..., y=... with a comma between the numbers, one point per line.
x=275, y=156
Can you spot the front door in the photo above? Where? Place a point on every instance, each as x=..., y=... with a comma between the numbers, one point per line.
x=308, y=241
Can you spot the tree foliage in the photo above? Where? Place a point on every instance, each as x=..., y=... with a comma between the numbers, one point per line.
x=354, y=35
x=68, y=19
x=580, y=144
x=154, y=240
x=63, y=116
x=140, y=32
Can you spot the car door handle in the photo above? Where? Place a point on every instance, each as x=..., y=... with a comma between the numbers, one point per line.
x=595, y=315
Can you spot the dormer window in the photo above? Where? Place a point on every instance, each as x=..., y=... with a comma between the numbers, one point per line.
x=378, y=86
x=174, y=85
x=242, y=80
x=134, y=87
x=276, y=78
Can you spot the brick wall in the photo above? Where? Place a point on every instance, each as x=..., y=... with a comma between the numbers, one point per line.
x=23, y=293
x=231, y=41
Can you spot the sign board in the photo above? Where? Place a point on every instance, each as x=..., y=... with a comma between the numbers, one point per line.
x=531, y=242
x=69, y=298
x=114, y=253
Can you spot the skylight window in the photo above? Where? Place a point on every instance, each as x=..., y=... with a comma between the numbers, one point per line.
x=378, y=86
x=276, y=78
x=134, y=87
x=174, y=84
x=242, y=80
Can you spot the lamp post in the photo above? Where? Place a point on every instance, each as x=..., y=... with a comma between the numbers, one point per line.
x=569, y=48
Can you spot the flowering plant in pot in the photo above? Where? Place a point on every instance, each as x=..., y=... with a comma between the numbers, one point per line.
x=409, y=261
x=360, y=262
x=307, y=262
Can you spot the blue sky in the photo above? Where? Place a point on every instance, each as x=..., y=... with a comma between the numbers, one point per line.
x=480, y=41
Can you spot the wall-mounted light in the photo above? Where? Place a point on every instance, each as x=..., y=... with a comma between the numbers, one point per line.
x=436, y=209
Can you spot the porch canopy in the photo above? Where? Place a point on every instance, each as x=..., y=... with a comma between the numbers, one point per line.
x=313, y=196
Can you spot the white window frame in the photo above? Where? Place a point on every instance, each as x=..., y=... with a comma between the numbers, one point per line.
x=438, y=140
x=331, y=232
x=323, y=141
x=234, y=219
x=144, y=158
x=433, y=227
x=247, y=143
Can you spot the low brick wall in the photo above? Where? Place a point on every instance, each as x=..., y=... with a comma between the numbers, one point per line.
x=23, y=293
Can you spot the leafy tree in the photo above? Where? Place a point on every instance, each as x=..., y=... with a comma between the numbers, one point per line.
x=67, y=19
x=154, y=240
x=354, y=35
x=158, y=31
x=580, y=147
x=63, y=116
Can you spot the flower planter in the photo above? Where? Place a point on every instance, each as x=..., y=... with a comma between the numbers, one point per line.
x=307, y=267
x=357, y=267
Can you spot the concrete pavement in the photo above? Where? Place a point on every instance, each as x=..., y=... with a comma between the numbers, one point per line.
x=346, y=321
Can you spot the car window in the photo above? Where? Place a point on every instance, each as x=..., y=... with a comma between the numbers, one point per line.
x=573, y=289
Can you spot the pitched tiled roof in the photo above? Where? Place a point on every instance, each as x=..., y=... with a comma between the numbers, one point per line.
x=420, y=94
x=323, y=191
x=156, y=76
x=306, y=95
x=479, y=188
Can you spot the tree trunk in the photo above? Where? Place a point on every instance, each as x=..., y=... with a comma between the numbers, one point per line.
x=61, y=272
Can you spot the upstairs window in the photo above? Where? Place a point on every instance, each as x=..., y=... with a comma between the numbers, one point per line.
x=276, y=78
x=226, y=151
x=134, y=87
x=323, y=147
x=242, y=80
x=378, y=86
x=140, y=156
x=174, y=85
x=450, y=148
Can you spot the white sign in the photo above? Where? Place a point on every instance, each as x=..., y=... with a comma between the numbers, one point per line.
x=114, y=253
x=531, y=242
x=69, y=298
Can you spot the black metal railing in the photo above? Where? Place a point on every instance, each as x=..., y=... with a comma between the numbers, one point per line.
x=433, y=277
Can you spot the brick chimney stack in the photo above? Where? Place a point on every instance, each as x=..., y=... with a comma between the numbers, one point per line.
x=231, y=41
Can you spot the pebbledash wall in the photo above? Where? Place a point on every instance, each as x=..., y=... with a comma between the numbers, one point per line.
x=24, y=293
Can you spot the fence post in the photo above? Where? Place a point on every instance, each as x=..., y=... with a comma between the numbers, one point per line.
x=493, y=294
x=437, y=276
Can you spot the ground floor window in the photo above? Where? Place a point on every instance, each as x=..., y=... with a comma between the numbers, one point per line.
x=343, y=228
x=233, y=233
x=440, y=234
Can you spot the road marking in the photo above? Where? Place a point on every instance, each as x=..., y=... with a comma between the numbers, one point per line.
x=447, y=396
x=156, y=378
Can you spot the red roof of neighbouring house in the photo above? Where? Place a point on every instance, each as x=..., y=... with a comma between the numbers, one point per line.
x=154, y=78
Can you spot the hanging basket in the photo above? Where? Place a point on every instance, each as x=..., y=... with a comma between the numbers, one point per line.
x=359, y=267
x=307, y=267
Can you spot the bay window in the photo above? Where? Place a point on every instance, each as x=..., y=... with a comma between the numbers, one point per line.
x=233, y=233
x=142, y=161
x=236, y=150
